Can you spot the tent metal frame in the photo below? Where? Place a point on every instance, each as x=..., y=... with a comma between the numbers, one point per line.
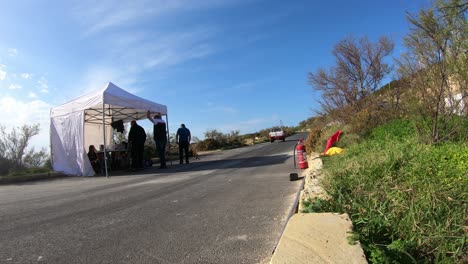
x=95, y=115
x=93, y=119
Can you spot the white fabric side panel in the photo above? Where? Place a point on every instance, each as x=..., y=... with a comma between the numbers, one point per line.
x=68, y=152
x=93, y=135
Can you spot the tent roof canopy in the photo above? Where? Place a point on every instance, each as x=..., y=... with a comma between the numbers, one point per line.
x=116, y=103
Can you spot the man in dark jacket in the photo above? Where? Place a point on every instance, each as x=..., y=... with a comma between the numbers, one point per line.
x=183, y=138
x=160, y=137
x=136, y=139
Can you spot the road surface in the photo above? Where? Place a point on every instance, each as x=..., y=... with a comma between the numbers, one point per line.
x=228, y=207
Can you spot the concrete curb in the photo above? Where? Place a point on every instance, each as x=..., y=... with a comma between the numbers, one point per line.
x=316, y=237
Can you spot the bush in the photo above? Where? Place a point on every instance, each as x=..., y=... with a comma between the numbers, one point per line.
x=396, y=130
x=208, y=144
x=5, y=166
x=29, y=171
x=454, y=129
x=407, y=199
x=318, y=205
x=312, y=140
x=149, y=151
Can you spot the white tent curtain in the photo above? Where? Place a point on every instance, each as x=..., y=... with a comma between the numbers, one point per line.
x=82, y=122
x=67, y=145
x=93, y=135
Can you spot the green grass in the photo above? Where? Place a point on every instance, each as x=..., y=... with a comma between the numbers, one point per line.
x=407, y=200
x=29, y=171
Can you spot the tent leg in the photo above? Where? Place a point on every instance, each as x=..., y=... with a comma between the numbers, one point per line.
x=168, y=140
x=104, y=137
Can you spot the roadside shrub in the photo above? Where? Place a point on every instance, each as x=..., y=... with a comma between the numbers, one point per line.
x=208, y=144
x=261, y=140
x=347, y=140
x=35, y=170
x=149, y=151
x=397, y=129
x=407, y=200
x=327, y=132
x=233, y=143
x=318, y=205
x=453, y=129
x=5, y=166
x=312, y=140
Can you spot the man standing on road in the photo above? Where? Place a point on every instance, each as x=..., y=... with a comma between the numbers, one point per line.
x=183, y=138
x=137, y=138
x=160, y=137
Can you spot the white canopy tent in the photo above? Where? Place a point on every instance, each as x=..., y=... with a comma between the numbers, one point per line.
x=87, y=121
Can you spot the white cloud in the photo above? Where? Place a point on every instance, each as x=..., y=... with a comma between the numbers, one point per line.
x=42, y=84
x=14, y=86
x=12, y=52
x=103, y=15
x=135, y=49
x=32, y=95
x=175, y=48
x=16, y=113
x=3, y=72
x=25, y=75
x=107, y=14
x=97, y=77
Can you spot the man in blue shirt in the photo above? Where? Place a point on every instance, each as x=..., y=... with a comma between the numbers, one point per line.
x=183, y=138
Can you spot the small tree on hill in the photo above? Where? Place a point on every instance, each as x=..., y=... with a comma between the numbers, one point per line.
x=358, y=72
x=437, y=67
x=13, y=145
x=214, y=134
x=35, y=158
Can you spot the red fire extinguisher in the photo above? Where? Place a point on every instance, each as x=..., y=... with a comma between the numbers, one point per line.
x=301, y=155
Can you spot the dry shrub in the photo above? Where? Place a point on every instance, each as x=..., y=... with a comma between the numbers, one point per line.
x=208, y=144
x=312, y=140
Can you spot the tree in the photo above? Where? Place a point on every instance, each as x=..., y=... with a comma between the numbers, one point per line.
x=358, y=72
x=13, y=145
x=233, y=136
x=214, y=134
x=437, y=67
x=35, y=159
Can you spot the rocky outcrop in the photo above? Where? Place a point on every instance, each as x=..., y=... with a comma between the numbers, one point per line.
x=312, y=181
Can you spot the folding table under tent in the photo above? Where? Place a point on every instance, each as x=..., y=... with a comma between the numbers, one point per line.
x=87, y=121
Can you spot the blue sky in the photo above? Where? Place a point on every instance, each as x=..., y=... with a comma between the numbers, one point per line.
x=217, y=64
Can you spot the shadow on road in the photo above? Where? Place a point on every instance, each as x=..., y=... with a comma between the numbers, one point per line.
x=200, y=165
x=195, y=165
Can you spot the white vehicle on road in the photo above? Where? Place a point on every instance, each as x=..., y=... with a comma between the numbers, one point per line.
x=276, y=134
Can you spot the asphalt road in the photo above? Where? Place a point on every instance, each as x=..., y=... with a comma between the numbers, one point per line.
x=228, y=207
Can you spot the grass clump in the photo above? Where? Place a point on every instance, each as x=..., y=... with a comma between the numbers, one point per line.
x=407, y=200
x=318, y=205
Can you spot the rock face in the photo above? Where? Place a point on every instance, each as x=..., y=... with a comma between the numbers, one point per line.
x=312, y=178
